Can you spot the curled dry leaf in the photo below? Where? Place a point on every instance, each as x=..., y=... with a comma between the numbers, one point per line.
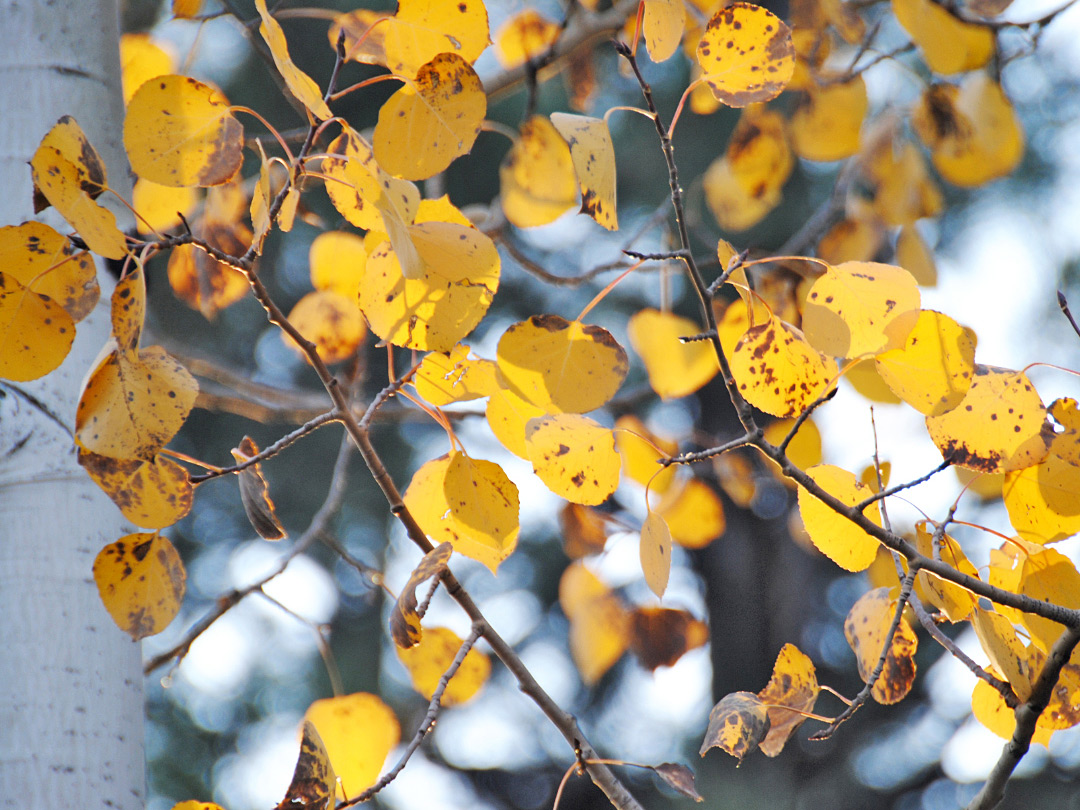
x=313, y=784
x=659, y=637
x=404, y=621
x=357, y=731
x=737, y=725
x=255, y=494
x=680, y=778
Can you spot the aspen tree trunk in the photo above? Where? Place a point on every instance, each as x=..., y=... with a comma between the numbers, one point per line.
x=71, y=705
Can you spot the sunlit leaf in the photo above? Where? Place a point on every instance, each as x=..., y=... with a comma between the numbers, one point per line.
x=599, y=624
x=694, y=514
x=361, y=191
x=828, y=119
x=866, y=628
x=404, y=620
x=46, y=263
x=990, y=709
x=659, y=637
x=574, y=456
x=420, y=31
x=142, y=58
x=160, y=208
x=1046, y=575
x=1005, y=650
x=998, y=425
x=331, y=321
x=663, y=27
x=932, y=371
x=35, y=332
x=952, y=600
x=638, y=447
x=200, y=280
x=452, y=377
x=593, y=156
x=903, y=189
x=428, y=660
x=180, y=132
x=302, y=86
x=948, y=45
x=747, y=54
x=778, y=371
x=141, y=581
x=675, y=368
x=255, y=493
x=560, y=365
x=655, y=548
x=435, y=311
x=151, y=494
x=793, y=685
x=860, y=308
x=1044, y=500
x=537, y=179
x=524, y=36
x=737, y=724
x=359, y=730
x=429, y=123
x=834, y=535
x=469, y=503
x=507, y=416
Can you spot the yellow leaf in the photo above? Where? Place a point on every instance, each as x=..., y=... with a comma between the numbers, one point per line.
x=972, y=130
x=1004, y=649
x=68, y=187
x=903, y=189
x=866, y=628
x=863, y=376
x=747, y=54
x=201, y=281
x=990, y=709
x=828, y=119
x=599, y=624
x=313, y=783
x=1049, y=576
x=655, y=548
x=181, y=132
x=778, y=371
x=560, y=365
x=469, y=503
x=694, y=514
x=444, y=378
x=913, y=254
x=428, y=660
x=793, y=685
x=524, y=36
x=593, y=156
x=835, y=536
x=68, y=140
x=998, y=425
x=160, y=207
x=583, y=530
x=141, y=581
x=663, y=27
x=142, y=58
x=851, y=240
x=302, y=86
x=952, y=600
x=429, y=123
x=507, y=415
x=337, y=260
x=46, y=263
x=947, y=45
x=737, y=724
x=659, y=637
x=405, y=626
x=332, y=322
x=743, y=185
x=860, y=308
x=191, y=804
x=35, y=332
x=255, y=494
x=135, y=400
x=987, y=486
x=804, y=451
x=932, y=371
x=151, y=494
x=574, y=456
x=361, y=191
x=420, y=31
x=435, y=311
x=637, y=446
x=675, y=369
x=358, y=730
x=537, y=181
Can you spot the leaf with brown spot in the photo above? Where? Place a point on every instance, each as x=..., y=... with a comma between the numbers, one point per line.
x=574, y=456
x=524, y=36
x=737, y=724
x=151, y=494
x=593, y=156
x=404, y=621
x=747, y=54
x=866, y=628
x=46, y=263
x=313, y=784
x=140, y=579
x=793, y=685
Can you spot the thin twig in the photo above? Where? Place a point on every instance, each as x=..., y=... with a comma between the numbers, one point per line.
x=1064, y=304
x=885, y=493
x=704, y=455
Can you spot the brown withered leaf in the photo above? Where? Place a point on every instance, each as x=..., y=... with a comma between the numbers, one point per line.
x=737, y=724
x=313, y=784
x=661, y=636
x=679, y=777
x=255, y=495
x=583, y=531
x=404, y=620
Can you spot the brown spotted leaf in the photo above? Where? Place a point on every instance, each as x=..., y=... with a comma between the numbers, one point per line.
x=140, y=579
x=313, y=784
x=593, y=156
x=793, y=685
x=746, y=54
x=866, y=628
x=737, y=724
x=151, y=494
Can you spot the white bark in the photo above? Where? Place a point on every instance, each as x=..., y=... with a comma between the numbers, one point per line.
x=71, y=706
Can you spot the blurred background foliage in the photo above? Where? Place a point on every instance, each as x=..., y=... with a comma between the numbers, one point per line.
x=222, y=724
